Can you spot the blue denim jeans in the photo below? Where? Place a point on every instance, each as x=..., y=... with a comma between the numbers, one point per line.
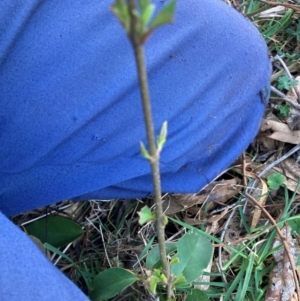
x=71, y=116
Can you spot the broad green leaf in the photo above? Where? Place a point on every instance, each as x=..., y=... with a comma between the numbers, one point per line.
x=197, y=295
x=153, y=260
x=145, y=215
x=165, y=16
x=58, y=231
x=109, y=283
x=275, y=180
x=121, y=10
x=194, y=252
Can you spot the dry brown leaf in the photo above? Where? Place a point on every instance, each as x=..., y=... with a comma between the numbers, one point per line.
x=233, y=231
x=261, y=200
x=265, y=142
x=197, y=220
x=276, y=11
x=281, y=131
x=218, y=191
x=282, y=284
x=213, y=222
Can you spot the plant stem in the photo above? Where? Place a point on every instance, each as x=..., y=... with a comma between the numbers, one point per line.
x=154, y=161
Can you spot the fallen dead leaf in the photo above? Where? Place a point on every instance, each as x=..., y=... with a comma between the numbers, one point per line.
x=217, y=192
x=276, y=11
x=212, y=222
x=261, y=200
x=281, y=131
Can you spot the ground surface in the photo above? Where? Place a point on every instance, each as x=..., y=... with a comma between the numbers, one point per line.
x=113, y=237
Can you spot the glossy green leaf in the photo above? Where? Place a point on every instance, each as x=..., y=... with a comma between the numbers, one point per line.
x=153, y=260
x=197, y=295
x=165, y=16
x=58, y=231
x=194, y=252
x=109, y=283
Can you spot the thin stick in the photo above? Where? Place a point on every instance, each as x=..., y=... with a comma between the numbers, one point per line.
x=154, y=162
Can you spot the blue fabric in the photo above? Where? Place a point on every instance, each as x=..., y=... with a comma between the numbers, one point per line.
x=26, y=274
x=71, y=118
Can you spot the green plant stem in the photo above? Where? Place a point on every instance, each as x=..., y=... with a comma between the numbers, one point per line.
x=154, y=161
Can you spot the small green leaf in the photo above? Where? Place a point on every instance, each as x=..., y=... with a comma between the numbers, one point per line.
x=197, y=295
x=144, y=151
x=147, y=10
x=111, y=282
x=174, y=260
x=165, y=220
x=161, y=139
x=165, y=16
x=275, y=180
x=145, y=215
x=121, y=11
x=194, y=252
x=58, y=231
x=284, y=110
x=286, y=83
x=154, y=279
